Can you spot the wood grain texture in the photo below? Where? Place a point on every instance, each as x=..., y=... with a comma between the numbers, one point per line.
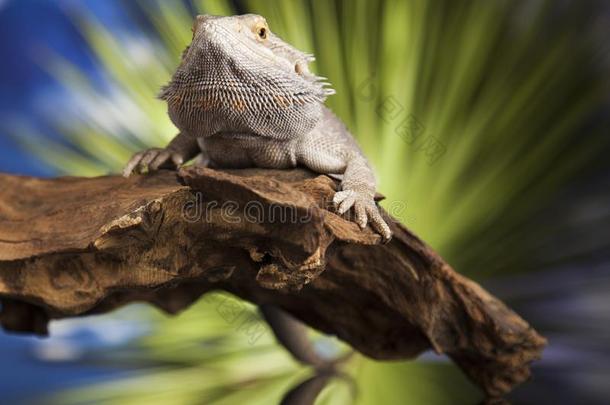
x=77, y=246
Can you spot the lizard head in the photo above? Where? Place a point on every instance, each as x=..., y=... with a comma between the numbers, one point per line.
x=248, y=37
x=251, y=77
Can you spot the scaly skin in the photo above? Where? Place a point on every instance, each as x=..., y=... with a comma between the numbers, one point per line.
x=244, y=98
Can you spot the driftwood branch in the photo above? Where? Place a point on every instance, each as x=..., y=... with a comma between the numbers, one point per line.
x=77, y=246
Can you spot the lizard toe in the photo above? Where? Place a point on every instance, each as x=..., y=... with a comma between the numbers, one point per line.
x=148, y=157
x=161, y=158
x=339, y=196
x=378, y=223
x=344, y=200
x=132, y=164
x=361, y=215
x=177, y=159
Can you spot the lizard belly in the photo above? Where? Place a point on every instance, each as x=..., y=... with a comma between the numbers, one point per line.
x=243, y=150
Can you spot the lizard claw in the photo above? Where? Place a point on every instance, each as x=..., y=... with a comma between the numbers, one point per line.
x=365, y=209
x=151, y=160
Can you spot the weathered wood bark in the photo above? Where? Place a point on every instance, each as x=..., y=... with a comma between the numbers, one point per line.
x=76, y=246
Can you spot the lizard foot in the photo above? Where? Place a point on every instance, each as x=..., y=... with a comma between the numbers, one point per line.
x=365, y=208
x=153, y=159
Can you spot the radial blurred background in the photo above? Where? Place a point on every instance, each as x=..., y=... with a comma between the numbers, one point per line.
x=489, y=119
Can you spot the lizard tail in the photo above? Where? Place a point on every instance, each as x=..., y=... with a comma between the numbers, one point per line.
x=292, y=334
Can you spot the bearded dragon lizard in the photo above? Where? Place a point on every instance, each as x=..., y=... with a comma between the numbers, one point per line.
x=242, y=97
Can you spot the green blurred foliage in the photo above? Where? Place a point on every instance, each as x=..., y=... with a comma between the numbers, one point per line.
x=474, y=113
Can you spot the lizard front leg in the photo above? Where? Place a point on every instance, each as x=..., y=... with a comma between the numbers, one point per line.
x=181, y=149
x=340, y=155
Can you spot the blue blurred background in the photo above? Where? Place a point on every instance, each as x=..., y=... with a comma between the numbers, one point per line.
x=28, y=369
x=515, y=92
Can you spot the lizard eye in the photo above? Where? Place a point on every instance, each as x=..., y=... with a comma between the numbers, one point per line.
x=262, y=32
